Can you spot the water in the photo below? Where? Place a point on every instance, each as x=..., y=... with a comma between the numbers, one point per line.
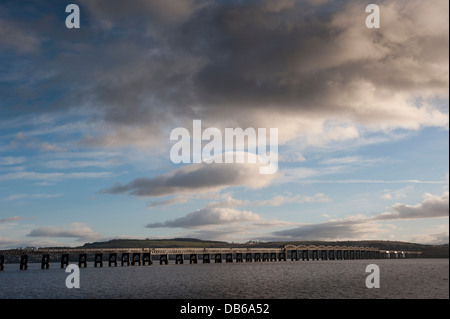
x=406, y=278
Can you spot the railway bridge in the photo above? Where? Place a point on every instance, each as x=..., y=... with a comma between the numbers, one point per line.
x=146, y=256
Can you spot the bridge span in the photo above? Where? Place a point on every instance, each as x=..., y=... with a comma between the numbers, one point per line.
x=146, y=256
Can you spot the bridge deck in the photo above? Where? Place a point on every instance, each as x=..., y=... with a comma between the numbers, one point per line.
x=174, y=251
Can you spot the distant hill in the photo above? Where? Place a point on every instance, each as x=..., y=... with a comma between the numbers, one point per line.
x=428, y=251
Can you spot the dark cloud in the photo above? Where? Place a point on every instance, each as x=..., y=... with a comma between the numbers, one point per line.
x=195, y=178
x=142, y=66
x=209, y=216
x=333, y=230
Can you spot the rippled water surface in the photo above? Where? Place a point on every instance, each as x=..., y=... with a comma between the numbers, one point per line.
x=407, y=278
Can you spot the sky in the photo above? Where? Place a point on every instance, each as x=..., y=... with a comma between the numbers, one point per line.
x=86, y=116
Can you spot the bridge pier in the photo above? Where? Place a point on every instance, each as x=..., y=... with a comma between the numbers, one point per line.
x=273, y=256
x=112, y=260
x=146, y=259
x=352, y=254
x=136, y=259
x=324, y=255
x=2, y=262
x=339, y=254
x=125, y=259
x=164, y=259
x=282, y=256
x=265, y=257
x=331, y=255
x=206, y=259
x=239, y=258
x=257, y=257
x=45, y=261
x=193, y=259
x=294, y=255
x=305, y=255
x=64, y=260
x=229, y=258
x=23, y=265
x=315, y=255
x=345, y=254
x=218, y=258
x=82, y=260
x=98, y=260
x=248, y=257
x=179, y=259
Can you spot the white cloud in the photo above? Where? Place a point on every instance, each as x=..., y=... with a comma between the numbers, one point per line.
x=47, y=147
x=9, y=219
x=54, y=176
x=279, y=200
x=11, y=160
x=431, y=239
x=81, y=232
x=31, y=196
x=432, y=207
x=363, y=227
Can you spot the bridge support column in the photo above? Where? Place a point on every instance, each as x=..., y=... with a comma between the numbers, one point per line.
x=45, y=261
x=324, y=255
x=229, y=258
x=206, y=259
x=193, y=259
x=273, y=256
x=146, y=259
x=218, y=258
x=2, y=262
x=345, y=253
x=257, y=257
x=125, y=259
x=98, y=260
x=82, y=260
x=248, y=257
x=339, y=254
x=315, y=255
x=136, y=259
x=265, y=257
x=23, y=265
x=64, y=260
x=239, y=258
x=294, y=255
x=305, y=255
x=112, y=260
x=179, y=259
x=331, y=255
x=282, y=256
x=164, y=259
x=352, y=254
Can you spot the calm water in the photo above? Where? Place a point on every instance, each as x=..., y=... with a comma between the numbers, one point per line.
x=410, y=278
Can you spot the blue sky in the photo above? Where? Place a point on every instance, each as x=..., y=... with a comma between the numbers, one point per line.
x=86, y=116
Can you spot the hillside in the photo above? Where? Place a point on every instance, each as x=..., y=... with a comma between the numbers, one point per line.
x=428, y=251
